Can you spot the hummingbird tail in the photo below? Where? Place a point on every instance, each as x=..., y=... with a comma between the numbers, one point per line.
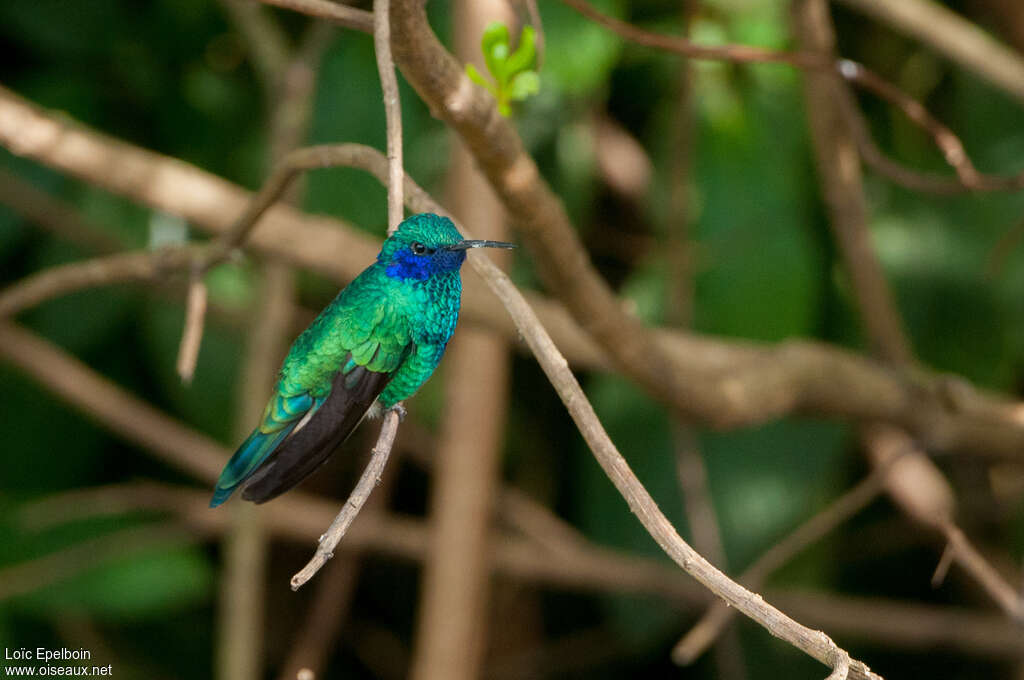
x=247, y=458
x=312, y=444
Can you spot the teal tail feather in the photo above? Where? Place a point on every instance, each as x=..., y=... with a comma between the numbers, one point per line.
x=247, y=458
x=279, y=419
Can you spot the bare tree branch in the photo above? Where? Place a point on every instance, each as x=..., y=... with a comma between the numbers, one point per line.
x=195, y=320
x=993, y=583
x=336, y=13
x=369, y=479
x=395, y=185
x=951, y=36
x=392, y=111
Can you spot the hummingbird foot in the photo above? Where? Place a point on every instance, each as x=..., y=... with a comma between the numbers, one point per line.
x=400, y=410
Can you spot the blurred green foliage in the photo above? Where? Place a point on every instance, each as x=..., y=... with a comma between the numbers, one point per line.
x=173, y=76
x=513, y=77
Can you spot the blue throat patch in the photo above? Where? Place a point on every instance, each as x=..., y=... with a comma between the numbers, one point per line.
x=406, y=264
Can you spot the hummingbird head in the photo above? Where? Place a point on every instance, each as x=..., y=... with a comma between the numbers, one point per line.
x=425, y=245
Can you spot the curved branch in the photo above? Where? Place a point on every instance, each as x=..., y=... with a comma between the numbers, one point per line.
x=148, y=265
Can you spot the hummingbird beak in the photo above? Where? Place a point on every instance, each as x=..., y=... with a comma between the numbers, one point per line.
x=466, y=244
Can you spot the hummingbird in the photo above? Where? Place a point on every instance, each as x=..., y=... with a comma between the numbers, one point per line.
x=379, y=339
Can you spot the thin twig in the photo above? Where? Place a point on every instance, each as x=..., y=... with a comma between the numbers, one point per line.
x=942, y=568
x=392, y=111
x=968, y=557
x=342, y=15
x=192, y=335
x=952, y=36
x=710, y=625
x=869, y=150
x=847, y=69
x=316, y=638
x=369, y=479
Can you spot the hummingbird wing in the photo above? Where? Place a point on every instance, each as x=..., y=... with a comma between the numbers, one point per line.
x=298, y=433
x=281, y=416
x=333, y=372
x=307, y=448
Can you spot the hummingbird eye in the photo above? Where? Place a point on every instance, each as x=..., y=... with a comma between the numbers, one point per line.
x=421, y=249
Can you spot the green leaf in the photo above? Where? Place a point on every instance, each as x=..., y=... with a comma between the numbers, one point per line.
x=523, y=85
x=478, y=78
x=525, y=55
x=494, y=46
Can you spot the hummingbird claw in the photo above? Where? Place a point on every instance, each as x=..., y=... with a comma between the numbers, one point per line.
x=400, y=410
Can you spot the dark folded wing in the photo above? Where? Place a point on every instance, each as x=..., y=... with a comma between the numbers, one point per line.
x=310, y=445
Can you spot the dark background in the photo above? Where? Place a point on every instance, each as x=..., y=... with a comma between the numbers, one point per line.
x=173, y=76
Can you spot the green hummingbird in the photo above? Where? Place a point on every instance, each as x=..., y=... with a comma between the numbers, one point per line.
x=379, y=339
